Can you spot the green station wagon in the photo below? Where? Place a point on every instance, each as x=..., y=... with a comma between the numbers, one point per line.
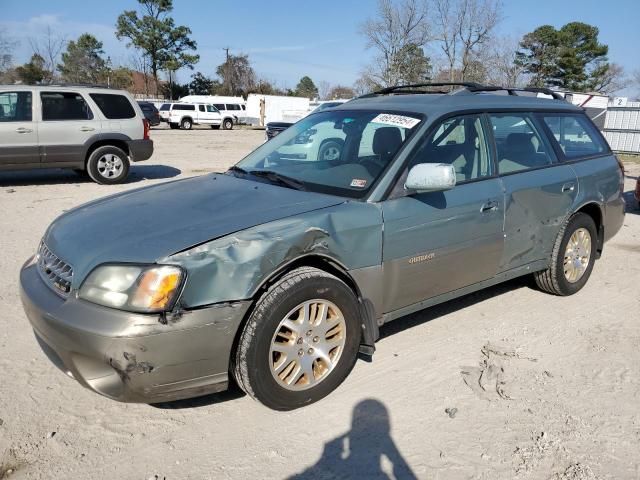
x=278, y=272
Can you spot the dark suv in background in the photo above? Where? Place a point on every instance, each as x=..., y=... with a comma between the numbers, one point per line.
x=150, y=112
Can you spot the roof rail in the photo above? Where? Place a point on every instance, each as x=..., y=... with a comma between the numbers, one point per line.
x=62, y=84
x=514, y=90
x=412, y=88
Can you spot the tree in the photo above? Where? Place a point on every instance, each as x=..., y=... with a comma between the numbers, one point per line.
x=395, y=34
x=174, y=90
x=610, y=80
x=237, y=75
x=200, y=84
x=306, y=88
x=410, y=65
x=502, y=66
x=571, y=58
x=155, y=34
x=34, y=71
x=48, y=47
x=340, y=92
x=83, y=62
x=120, y=77
x=6, y=58
x=463, y=30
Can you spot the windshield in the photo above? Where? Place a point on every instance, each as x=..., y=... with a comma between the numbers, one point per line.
x=337, y=152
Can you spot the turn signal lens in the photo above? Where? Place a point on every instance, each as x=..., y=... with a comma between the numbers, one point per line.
x=156, y=288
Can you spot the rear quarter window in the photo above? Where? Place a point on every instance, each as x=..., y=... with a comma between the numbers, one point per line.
x=575, y=134
x=113, y=106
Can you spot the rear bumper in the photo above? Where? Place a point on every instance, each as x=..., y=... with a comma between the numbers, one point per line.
x=131, y=357
x=140, y=150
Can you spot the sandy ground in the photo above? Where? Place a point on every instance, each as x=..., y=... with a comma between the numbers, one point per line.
x=560, y=395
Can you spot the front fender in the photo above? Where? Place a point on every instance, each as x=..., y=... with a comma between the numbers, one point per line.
x=235, y=267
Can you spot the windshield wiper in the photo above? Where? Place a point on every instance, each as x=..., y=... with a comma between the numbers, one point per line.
x=278, y=178
x=237, y=169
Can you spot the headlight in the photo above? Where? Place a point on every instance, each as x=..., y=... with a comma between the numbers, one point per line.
x=134, y=288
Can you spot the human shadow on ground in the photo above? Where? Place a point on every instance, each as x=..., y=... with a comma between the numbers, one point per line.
x=359, y=453
x=58, y=176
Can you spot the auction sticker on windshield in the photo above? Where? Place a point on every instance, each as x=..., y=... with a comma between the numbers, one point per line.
x=396, y=120
x=358, y=183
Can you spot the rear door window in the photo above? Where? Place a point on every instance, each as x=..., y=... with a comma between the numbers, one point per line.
x=575, y=135
x=219, y=106
x=201, y=108
x=113, y=106
x=519, y=143
x=15, y=107
x=184, y=107
x=64, y=106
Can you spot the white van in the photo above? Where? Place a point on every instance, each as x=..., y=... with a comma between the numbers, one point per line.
x=186, y=115
x=232, y=107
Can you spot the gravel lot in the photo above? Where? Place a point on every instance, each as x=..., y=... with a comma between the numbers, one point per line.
x=506, y=383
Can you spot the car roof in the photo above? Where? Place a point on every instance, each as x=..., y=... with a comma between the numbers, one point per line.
x=435, y=103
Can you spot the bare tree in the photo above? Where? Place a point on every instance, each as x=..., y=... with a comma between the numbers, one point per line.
x=396, y=27
x=49, y=46
x=324, y=88
x=502, y=68
x=463, y=30
x=613, y=79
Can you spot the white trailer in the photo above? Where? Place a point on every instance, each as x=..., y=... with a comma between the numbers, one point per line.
x=262, y=109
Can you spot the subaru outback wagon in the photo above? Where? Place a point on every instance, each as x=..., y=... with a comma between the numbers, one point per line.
x=94, y=130
x=276, y=273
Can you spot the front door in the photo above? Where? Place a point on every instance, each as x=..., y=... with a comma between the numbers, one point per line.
x=67, y=125
x=438, y=242
x=539, y=191
x=18, y=131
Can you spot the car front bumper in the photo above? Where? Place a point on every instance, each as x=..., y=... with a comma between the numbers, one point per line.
x=132, y=357
x=140, y=149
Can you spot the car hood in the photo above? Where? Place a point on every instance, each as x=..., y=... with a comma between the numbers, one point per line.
x=150, y=223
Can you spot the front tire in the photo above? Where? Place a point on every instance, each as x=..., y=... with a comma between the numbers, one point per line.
x=330, y=151
x=227, y=124
x=108, y=165
x=300, y=342
x=572, y=259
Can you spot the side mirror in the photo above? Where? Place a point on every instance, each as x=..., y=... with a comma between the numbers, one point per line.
x=431, y=177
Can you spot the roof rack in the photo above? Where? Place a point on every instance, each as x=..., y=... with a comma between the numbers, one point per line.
x=413, y=88
x=514, y=90
x=62, y=84
x=467, y=87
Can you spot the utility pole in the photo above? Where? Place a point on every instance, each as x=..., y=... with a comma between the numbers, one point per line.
x=227, y=77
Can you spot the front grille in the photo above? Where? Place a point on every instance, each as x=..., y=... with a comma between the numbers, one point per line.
x=56, y=273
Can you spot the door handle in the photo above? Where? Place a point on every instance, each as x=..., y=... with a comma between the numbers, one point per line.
x=568, y=187
x=24, y=130
x=87, y=129
x=490, y=206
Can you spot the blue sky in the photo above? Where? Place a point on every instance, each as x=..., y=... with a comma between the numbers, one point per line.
x=287, y=39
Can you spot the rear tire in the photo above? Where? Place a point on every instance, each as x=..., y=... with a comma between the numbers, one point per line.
x=571, y=265
x=108, y=165
x=174, y=126
x=330, y=330
x=186, y=124
x=215, y=127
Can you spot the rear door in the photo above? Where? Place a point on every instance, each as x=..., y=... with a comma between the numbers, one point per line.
x=68, y=123
x=539, y=191
x=18, y=130
x=438, y=242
